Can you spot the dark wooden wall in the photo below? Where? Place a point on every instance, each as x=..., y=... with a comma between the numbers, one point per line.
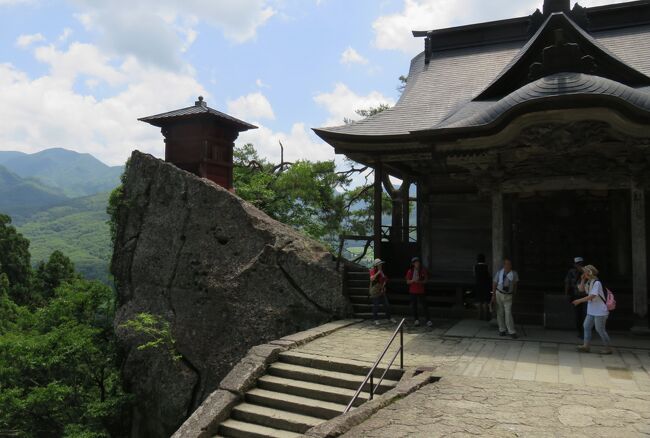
x=459, y=228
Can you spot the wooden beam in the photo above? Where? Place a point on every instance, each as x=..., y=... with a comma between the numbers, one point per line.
x=378, y=189
x=639, y=252
x=497, y=230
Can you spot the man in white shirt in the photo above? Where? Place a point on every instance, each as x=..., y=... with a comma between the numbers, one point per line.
x=504, y=286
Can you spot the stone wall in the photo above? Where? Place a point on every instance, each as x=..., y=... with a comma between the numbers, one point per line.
x=223, y=274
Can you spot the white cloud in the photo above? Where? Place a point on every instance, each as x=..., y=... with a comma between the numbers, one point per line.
x=393, y=31
x=299, y=144
x=158, y=31
x=47, y=111
x=342, y=103
x=251, y=107
x=65, y=35
x=24, y=41
x=351, y=56
x=79, y=60
x=260, y=84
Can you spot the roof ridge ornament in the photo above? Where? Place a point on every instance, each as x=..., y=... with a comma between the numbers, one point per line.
x=551, y=6
x=578, y=14
x=201, y=102
x=563, y=56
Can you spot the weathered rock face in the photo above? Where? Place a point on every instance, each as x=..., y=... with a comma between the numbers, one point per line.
x=225, y=276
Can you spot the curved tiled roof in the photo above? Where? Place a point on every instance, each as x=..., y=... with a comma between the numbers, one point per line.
x=442, y=90
x=571, y=86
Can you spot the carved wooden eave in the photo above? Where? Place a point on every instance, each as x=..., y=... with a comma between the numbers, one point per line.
x=560, y=155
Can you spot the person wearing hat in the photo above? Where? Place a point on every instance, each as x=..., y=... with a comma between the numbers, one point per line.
x=378, y=280
x=597, y=311
x=571, y=291
x=416, y=277
x=504, y=287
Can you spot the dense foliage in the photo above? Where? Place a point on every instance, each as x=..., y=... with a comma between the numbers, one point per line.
x=311, y=196
x=58, y=360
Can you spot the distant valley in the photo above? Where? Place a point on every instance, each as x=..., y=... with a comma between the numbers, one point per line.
x=57, y=198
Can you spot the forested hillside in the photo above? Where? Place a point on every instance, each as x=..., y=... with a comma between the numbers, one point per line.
x=57, y=198
x=78, y=228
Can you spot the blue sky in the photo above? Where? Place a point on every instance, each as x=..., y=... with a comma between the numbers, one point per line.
x=78, y=73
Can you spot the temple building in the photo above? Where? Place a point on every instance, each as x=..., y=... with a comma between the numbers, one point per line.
x=201, y=140
x=528, y=138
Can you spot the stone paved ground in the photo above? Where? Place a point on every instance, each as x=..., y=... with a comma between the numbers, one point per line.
x=461, y=406
x=498, y=387
x=549, y=362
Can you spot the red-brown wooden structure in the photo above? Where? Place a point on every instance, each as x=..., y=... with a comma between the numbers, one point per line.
x=200, y=140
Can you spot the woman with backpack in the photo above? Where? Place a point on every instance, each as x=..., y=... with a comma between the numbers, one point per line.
x=597, y=309
x=378, y=282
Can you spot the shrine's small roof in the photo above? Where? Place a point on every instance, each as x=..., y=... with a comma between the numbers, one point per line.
x=452, y=84
x=200, y=107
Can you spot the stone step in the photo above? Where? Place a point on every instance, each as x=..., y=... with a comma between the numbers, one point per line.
x=294, y=403
x=275, y=418
x=398, y=309
x=239, y=429
x=310, y=390
x=358, y=282
x=324, y=377
x=335, y=364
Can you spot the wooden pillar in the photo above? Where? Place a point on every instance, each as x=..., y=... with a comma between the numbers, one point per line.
x=406, y=210
x=639, y=252
x=498, y=234
x=378, y=189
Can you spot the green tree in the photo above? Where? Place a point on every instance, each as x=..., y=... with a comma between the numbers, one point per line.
x=51, y=274
x=59, y=368
x=313, y=197
x=59, y=373
x=14, y=254
x=8, y=309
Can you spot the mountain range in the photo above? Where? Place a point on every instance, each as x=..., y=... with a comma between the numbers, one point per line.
x=72, y=173
x=57, y=199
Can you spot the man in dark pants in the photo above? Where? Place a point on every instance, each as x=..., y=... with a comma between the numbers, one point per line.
x=571, y=282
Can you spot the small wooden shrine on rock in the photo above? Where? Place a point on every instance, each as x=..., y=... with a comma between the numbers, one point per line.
x=527, y=138
x=201, y=140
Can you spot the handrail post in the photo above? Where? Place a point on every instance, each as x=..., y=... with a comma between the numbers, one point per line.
x=401, y=347
x=370, y=377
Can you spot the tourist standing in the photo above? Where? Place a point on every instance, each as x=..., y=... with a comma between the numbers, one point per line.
x=572, y=292
x=597, y=312
x=483, y=287
x=416, y=277
x=504, y=287
x=378, y=281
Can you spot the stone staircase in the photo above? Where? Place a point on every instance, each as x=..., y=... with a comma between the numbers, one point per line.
x=298, y=392
x=445, y=300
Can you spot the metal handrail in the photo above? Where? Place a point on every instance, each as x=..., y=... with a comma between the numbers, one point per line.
x=370, y=375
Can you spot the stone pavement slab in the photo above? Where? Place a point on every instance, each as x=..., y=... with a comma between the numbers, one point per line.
x=466, y=406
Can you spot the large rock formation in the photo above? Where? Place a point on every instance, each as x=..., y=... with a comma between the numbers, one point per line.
x=223, y=274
